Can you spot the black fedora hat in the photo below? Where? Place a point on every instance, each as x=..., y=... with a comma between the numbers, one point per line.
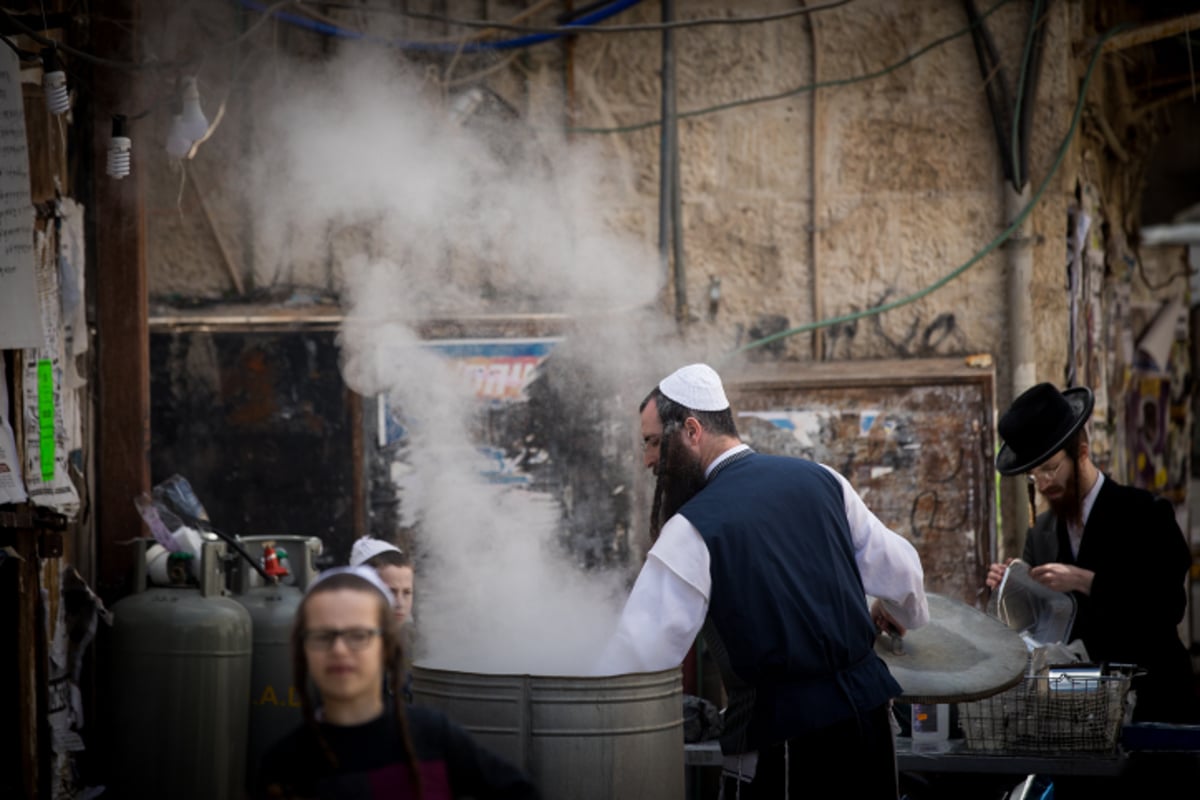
x=1038, y=424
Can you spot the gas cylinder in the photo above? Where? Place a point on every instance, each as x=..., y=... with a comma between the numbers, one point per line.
x=274, y=708
x=180, y=674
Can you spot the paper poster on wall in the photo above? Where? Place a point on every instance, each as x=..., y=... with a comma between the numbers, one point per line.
x=20, y=322
x=47, y=404
x=12, y=489
x=498, y=370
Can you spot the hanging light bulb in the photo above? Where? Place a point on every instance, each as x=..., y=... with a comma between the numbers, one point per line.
x=189, y=125
x=54, y=83
x=466, y=104
x=118, y=149
x=194, y=122
x=178, y=145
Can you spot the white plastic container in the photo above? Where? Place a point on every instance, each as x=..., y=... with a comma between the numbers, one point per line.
x=930, y=727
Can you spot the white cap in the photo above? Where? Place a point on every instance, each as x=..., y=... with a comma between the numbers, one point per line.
x=366, y=573
x=367, y=548
x=697, y=387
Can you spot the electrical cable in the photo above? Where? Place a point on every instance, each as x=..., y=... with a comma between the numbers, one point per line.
x=1019, y=178
x=134, y=66
x=338, y=31
x=801, y=89
x=205, y=526
x=995, y=85
x=999, y=240
x=1028, y=106
x=22, y=55
x=575, y=27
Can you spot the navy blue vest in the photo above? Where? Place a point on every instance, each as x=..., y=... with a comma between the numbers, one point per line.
x=787, y=618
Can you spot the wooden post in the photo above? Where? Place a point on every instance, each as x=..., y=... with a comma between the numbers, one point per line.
x=119, y=278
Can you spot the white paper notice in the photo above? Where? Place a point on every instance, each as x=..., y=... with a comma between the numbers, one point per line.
x=20, y=323
x=47, y=448
x=12, y=488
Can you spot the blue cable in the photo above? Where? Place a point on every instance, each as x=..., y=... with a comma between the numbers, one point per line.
x=474, y=47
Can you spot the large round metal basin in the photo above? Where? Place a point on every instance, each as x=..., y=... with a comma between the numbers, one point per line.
x=578, y=738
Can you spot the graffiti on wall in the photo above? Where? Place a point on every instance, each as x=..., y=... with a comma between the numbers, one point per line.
x=918, y=456
x=1156, y=424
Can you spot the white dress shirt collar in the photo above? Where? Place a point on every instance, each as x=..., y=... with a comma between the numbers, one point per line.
x=737, y=448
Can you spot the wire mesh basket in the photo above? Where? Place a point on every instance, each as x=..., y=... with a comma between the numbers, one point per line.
x=1046, y=714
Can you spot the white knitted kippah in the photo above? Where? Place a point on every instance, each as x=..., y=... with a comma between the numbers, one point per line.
x=366, y=573
x=696, y=386
x=367, y=548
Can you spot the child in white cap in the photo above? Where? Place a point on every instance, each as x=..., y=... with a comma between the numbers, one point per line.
x=395, y=571
x=394, y=567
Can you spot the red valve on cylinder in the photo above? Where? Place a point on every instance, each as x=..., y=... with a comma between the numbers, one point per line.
x=271, y=564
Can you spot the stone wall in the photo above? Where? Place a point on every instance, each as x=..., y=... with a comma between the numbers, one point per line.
x=811, y=206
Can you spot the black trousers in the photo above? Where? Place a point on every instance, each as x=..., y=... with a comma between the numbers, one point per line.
x=852, y=759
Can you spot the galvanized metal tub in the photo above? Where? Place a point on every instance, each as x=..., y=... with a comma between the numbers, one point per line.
x=578, y=738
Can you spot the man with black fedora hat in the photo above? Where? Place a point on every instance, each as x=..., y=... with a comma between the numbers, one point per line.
x=1117, y=549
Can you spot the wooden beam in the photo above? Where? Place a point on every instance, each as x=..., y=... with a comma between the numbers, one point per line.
x=1153, y=32
x=1179, y=95
x=123, y=339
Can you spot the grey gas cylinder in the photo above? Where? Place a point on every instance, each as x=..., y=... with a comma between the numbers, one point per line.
x=274, y=708
x=180, y=676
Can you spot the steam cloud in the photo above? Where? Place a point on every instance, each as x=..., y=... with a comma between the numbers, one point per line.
x=419, y=216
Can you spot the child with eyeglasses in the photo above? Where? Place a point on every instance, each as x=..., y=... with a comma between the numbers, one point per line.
x=353, y=743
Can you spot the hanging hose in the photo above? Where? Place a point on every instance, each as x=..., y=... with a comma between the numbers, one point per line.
x=1023, y=101
x=992, y=245
x=205, y=526
x=607, y=10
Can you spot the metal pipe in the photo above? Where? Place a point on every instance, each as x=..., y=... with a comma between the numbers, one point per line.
x=1022, y=361
x=816, y=125
x=682, y=311
x=1023, y=370
x=670, y=200
x=665, y=164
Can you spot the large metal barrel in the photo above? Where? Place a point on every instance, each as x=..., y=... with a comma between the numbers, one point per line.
x=180, y=674
x=274, y=706
x=578, y=738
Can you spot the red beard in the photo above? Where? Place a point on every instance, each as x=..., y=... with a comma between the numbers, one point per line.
x=1068, y=505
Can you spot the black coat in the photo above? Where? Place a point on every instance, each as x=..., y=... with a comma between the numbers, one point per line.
x=1140, y=559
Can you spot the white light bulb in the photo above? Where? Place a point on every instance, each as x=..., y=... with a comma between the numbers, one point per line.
x=178, y=143
x=54, y=83
x=195, y=124
x=465, y=105
x=119, y=147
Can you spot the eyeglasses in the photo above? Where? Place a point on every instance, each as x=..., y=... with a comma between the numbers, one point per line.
x=1046, y=472
x=355, y=638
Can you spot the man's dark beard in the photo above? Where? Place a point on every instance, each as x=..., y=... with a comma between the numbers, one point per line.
x=1069, y=506
x=680, y=477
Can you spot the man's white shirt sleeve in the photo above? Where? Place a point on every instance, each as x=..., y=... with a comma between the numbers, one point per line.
x=669, y=601
x=666, y=609
x=890, y=566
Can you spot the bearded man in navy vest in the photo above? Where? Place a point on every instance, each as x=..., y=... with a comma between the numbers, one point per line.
x=775, y=559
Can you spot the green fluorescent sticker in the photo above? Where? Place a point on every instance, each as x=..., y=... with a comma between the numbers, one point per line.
x=46, y=418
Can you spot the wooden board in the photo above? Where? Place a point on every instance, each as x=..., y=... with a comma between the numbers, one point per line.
x=914, y=437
